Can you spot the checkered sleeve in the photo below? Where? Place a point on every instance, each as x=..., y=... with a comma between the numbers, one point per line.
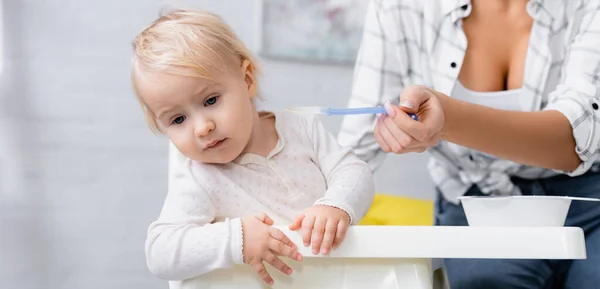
x=578, y=96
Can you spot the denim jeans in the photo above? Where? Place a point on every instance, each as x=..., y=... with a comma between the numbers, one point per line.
x=533, y=274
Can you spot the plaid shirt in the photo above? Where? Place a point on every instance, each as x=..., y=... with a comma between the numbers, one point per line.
x=422, y=42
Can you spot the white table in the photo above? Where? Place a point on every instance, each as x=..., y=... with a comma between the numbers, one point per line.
x=391, y=257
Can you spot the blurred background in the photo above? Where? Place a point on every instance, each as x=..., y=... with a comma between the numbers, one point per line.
x=81, y=176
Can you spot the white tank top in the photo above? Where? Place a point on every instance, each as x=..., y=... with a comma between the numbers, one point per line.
x=505, y=99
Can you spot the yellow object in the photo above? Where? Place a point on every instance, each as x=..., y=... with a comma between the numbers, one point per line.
x=389, y=210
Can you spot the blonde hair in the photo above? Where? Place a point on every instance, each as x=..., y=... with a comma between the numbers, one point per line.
x=186, y=42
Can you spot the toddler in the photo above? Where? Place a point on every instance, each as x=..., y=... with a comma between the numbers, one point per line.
x=235, y=171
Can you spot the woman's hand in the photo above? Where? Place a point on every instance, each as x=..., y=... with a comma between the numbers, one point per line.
x=398, y=133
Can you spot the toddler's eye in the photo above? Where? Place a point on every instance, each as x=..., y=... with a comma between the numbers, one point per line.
x=179, y=119
x=211, y=101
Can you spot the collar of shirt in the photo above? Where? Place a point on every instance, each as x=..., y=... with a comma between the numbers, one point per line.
x=542, y=11
x=545, y=13
x=250, y=158
x=456, y=9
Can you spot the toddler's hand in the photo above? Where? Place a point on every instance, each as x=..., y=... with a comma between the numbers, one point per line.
x=264, y=243
x=322, y=226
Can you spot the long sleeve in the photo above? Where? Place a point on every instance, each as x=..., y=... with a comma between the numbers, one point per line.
x=380, y=74
x=578, y=96
x=350, y=184
x=185, y=242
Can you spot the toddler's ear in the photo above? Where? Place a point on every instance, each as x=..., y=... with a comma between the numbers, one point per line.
x=248, y=70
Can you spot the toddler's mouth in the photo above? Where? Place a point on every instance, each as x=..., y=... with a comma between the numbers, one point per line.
x=214, y=144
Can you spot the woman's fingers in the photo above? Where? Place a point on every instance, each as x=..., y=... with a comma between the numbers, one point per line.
x=389, y=139
x=412, y=97
x=388, y=142
x=401, y=137
x=398, y=141
x=431, y=116
x=415, y=150
x=379, y=137
x=417, y=130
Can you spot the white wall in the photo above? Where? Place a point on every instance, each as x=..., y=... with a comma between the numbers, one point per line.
x=87, y=175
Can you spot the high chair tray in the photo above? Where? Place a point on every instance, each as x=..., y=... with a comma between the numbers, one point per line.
x=456, y=242
x=390, y=257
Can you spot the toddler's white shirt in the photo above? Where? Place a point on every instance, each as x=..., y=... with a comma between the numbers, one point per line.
x=199, y=228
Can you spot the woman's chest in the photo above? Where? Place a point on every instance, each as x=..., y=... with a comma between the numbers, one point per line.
x=535, y=62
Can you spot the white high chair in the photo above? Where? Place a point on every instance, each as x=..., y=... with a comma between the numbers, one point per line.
x=392, y=257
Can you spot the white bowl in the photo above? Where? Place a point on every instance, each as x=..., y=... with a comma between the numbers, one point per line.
x=517, y=211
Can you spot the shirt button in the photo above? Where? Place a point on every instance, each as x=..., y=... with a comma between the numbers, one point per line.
x=595, y=106
x=453, y=64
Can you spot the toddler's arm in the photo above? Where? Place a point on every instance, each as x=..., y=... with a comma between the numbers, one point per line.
x=183, y=243
x=350, y=184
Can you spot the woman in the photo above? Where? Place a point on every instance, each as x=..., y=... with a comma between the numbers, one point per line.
x=513, y=112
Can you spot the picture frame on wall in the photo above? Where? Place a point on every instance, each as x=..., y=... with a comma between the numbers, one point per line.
x=321, y=31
